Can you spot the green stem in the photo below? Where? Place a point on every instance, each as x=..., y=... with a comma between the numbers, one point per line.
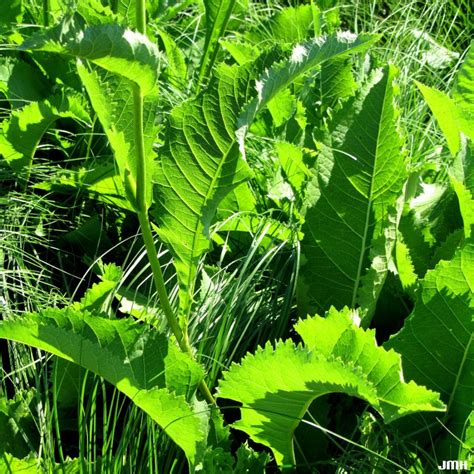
x=211, y=48
x=46, y=13
x=145, y=226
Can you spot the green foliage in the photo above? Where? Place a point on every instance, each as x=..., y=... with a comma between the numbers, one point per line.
x=112, y=47
x=201, y=161
x=145, y=366
x=352, y=216
x=22, y=133
x=455, y=115
x=263, y=145
x=218, y=13
x=436, y=340
x=277, y=384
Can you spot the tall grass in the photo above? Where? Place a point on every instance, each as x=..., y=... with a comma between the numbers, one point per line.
x=242, y=302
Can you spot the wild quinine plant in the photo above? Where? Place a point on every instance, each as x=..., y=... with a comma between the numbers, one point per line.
x=346, y=170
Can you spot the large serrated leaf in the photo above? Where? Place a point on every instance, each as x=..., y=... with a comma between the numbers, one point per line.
x=304, y=57
x=119, y=50
x=112, y=99
x=201, y=160
x=351, y=222
x=143, y=364
x=436, y=342
x=277, y=385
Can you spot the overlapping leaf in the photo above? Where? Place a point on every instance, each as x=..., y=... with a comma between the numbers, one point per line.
x=130, y=59
x=22, y=132
x=436, y=342
x=112, y=99
x=276, y=385
x=144, y=365
x=351, y=222
x=112, y=47
x=201, y=161
x=217, y=16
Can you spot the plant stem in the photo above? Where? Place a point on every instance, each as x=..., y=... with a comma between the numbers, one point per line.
x=142, y=212
x=46, y=12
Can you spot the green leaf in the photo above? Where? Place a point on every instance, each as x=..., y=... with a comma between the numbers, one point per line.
x=11, y=464
x=446, y=114
x=112, y=47
x=199, y=165
x=463, y=93
x=17, y=425
x=200, y=162
x=241, y=51
x=22, y=83
x=22, y=133
x=462, y=180
x=290, y=25
x=217, y=16
x=141, y=363
x=304, y=57
x=12, y=12
x=293, y=165
x=350, y=226
x=436, y=342
x=405, y=267
x=276, y=385
x=176, y=70
x=112, y=99
x=97, y=297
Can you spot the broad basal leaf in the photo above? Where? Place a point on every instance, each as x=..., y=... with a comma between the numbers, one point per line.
x=142, y=364
x=112, y=47
x=23, y=131
x=276, y=385
x=352, y=217
x=201, y=163
x=112, y=99
x=436, y=342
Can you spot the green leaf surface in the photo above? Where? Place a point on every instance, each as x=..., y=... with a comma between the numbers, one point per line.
x=304, y=57
x=350, y=226
x=463, y=92
x=23, y=131
x=276, y=385
x=241, y=51
x=217, y=16
x=22, y=83
x=444, y=110
x=112, y=47
x=290, y=25
x=201, y=160
x=12, y=11
x=199, y=165
x=141, y=363
x=436, y=342
x=112, y=99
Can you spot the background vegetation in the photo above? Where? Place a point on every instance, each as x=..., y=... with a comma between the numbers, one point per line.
x=320, y=98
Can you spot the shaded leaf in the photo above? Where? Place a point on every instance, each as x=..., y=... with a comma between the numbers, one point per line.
x=24, y=130
x=353, y=210
x=436, y=342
